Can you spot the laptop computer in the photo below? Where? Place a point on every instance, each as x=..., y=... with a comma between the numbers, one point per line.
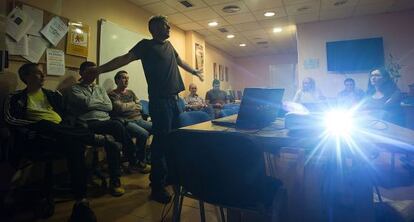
x=259, y=107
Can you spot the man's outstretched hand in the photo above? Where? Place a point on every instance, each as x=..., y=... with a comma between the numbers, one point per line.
x=199, y=74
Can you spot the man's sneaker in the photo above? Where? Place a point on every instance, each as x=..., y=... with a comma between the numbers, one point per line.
x=160, y=195
x=115, y=188
x=82, y=212
x=142, y=167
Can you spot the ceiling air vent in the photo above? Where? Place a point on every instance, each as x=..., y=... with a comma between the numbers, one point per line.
x=231, y=9
x=186, y=4
x=262, y=42
x=223, y=30
x=302, y=9
x=341, y=2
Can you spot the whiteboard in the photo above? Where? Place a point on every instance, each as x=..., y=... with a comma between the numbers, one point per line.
x=283, y=76
x=114, y=41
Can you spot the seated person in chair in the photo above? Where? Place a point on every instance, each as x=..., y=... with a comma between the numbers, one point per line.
x=383, y=97
x=308, y=93
x=127, y=110
x=193, y=102
x=216, y=98
x=88, y=104
x=40, y=110
x=350, y=95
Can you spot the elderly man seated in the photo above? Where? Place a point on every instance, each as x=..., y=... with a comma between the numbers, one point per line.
x=193, y=102
x=40, y=110
x=216, y=98
x=127, y=110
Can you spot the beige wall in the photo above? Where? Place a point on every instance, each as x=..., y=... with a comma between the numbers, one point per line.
x=256, y=69
x=396, y=30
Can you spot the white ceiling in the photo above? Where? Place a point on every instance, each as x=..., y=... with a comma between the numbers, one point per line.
x=250, y=26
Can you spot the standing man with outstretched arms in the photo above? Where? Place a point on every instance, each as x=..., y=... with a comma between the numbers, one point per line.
x=160, y=62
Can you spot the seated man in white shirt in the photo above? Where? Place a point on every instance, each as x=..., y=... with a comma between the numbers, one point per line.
x=193, y=102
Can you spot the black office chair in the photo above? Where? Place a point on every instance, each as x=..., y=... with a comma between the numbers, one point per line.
x=21, y=157
x=227, y=170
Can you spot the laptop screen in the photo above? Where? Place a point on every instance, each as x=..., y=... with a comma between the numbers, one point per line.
x=259, y=107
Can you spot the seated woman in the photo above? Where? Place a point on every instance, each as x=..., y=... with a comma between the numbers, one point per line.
x=383, y=97
x=308, y=93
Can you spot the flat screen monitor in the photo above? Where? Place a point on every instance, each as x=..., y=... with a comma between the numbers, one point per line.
x=355, y=55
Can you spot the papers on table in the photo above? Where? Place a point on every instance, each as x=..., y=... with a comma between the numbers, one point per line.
x=18, y=24
x=55, y=30
x=17, y=48
x=37, y=16
x=55, y=62
x=37, y=46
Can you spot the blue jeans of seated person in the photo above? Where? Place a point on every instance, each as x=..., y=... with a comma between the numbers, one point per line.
x=140, y=129
x=164, y=114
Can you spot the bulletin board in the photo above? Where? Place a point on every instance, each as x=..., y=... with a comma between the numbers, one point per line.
x=71, y=61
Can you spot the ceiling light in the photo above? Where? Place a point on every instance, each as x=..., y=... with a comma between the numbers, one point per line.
x=269, y=14
x=242, y=45
x=278, y=29
x=230, y=36
x=212, y=24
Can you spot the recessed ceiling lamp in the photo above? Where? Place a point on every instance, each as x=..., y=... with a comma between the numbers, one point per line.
x=230, y=36
x=212, y=24
x=269, y=14
x=278, y=29
x=242, y=45
x=231, y=9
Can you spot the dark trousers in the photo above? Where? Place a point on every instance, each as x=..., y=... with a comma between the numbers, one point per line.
x=67, y=141
x=164, y=114
x=118, y=131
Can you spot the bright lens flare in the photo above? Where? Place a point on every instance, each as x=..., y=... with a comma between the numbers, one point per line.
x=338, y=122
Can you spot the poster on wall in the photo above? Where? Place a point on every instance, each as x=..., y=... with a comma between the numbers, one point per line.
x=78, y=39
x=226, y=73
x=220, y=71
x=199, y=57
x=215, y=70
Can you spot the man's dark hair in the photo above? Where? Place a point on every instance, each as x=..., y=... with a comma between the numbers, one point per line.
x=216, y=81
x=25, y=70
x=85, y=65
x=349, y=80
x=118, y=75
x=155, y=21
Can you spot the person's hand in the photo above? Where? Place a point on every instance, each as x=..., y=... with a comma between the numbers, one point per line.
x=218, y=105
x=199, y=74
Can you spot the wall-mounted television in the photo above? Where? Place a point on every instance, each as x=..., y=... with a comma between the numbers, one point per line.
x=355, y=55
